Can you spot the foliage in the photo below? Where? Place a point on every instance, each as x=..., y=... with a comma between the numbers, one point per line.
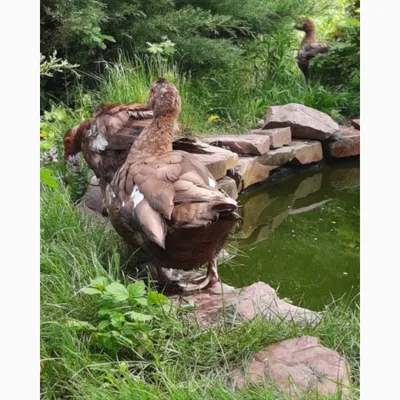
x=53, y=64
x=340, y=67
x=126, y=316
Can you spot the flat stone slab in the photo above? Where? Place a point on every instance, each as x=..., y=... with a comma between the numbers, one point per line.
x=246, y=303
x=241, y=144
x=248, y=172
x=305, y=122
x=279, y=136
x=356, y=123
x=345, y=143
x=228, y=185
x=300, y=152
x=296, y=366
x=216, y=159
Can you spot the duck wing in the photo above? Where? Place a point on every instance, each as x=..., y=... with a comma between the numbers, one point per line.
x=310, y=50
x=174, y=187
x=116, y=126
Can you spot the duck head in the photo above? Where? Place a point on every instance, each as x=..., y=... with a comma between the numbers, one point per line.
x=70, y=147
x=164, y=99
x=73, y=139
x=306, y=26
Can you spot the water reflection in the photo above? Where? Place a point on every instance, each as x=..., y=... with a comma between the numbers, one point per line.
x=301, y=233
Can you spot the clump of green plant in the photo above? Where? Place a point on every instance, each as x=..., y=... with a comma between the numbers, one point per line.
x=125, y=316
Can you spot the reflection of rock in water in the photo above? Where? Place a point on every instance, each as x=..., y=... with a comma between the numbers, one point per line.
x=267, y=207
x=345, y=178
x=308, y=186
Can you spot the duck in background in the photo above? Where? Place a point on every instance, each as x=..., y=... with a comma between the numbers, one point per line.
x=106, y=138
x=309, y=47
x=167, y=201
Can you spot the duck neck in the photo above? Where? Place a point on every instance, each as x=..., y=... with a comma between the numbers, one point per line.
x=157, y=138
x=310, y=37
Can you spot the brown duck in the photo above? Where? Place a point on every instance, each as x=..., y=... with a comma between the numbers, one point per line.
x=309, y=47
x=167, y=201
x=106, y=138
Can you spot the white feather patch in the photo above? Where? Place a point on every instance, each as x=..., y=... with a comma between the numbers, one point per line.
x=137, y=196
x=100, y=143
x=211, y=182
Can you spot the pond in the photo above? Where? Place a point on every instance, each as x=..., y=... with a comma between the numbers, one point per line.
x=300, y=234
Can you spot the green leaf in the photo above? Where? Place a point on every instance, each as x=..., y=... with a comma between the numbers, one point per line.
x=105, y=311
x=135, y=316
x=137, y=290
x=80, y=325
x=107, y=37
x=140, y=300
x=103, y=325
x=89, y=290
x=117, y=319
x=118, y=291
x=156, y=298
x=47, y=178
x=100, y=282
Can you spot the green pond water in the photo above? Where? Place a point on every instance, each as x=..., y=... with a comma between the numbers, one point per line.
x=300, y=234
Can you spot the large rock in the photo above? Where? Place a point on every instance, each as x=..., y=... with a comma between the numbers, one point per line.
x=245, y=304
x=305, y=122
x=92, y=198
x=345, y=143
x=299, y=152
x=248, y=172
x=216, y=159
x=356, y=123
x=242, y=144
x=279, y=136
x=296, y=366
x=228, y=185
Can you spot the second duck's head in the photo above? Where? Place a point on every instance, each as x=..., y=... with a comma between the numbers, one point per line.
x=164, y=99
x=306, y=26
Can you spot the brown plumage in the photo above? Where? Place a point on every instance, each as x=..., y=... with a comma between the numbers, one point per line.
x=106, y=138
x=309, y=47
x=166, y=200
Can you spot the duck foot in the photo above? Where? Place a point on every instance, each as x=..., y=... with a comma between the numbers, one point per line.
x=195, y=285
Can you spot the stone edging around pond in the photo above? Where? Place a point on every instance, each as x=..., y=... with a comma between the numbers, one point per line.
x=292, y=134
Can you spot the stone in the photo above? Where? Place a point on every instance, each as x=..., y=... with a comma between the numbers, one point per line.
x=254, y=145
x=356, y=123
x=245, y=304
x=216, y=159
x=228, y=185
x=298, y=366
x=92, y=197
x=299, y=152
x=279, y=136
x=305, y=122
x=345, y=143
x=260, y=123
x=248, y=172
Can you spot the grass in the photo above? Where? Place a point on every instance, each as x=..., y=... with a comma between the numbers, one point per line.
x=181, y=360
x=177, y=359
x=238, y=106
